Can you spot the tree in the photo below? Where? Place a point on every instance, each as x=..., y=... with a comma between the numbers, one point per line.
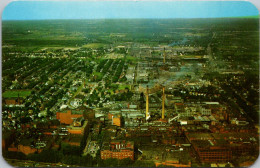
x=125, y=162
x=86, y=161
x=83, y=140
x=67, y=149
x=111, y=162
x=71, y=159
x=49, y=155
x=140, y=163
x=14, y=155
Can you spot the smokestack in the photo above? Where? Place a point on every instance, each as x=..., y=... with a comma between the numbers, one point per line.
x=163, y=101
x=147, y=103
x=164, y=55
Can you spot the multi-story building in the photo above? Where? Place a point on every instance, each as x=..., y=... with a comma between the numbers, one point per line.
x=209, y=149
x=212, y=151
x=119, y=149
x=116, y=120
x=204, y=111
x=66, y=116
x=79, y=126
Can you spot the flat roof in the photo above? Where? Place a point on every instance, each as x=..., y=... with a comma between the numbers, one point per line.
x=199, y=136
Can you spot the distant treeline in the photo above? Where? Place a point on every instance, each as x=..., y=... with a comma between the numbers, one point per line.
x=39, y=42
x=79, y=32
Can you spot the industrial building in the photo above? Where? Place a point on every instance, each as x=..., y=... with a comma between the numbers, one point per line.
x=119, y=149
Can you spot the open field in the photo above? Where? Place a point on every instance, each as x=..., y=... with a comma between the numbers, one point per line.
x=16, y=93
x=94, y=45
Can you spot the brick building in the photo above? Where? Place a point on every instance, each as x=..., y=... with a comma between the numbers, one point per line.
x=27, y=149
x=119, y=149
x=240, y=143
x=68, y=115
x=116, y=120
x=26, y=146
x=13, y=100
x=210, y=149
x=79, y=126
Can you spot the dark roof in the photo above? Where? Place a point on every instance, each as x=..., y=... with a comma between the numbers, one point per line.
x=7, y=134
x=75, y=138
x=54, y=122
x=26, y=141
x=200, y=136
x=79, y=96
x=201, y=143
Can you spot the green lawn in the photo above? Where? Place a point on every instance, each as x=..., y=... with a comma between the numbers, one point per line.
x=93, y=45
x=131, y=58
x=10, y=93
x=123, y=86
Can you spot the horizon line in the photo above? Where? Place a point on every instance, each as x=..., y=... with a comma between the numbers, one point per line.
x=242, y=17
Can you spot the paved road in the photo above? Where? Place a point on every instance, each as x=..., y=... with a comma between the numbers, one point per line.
x=29, y=163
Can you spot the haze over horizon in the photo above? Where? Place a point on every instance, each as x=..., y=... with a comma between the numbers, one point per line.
x=22, y=10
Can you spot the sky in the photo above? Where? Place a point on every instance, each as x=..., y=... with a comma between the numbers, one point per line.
x=41, y=10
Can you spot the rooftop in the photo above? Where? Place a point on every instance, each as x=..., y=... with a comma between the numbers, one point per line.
x=199, y=136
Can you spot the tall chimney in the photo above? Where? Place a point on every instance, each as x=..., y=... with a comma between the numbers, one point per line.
x=164, y=55
x=163, y=101
x=147, y=103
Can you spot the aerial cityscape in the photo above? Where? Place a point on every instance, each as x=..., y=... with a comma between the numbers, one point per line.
x=131, y=92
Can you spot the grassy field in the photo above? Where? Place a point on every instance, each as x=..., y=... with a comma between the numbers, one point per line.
x=94, y=45
x=123, y=86
x=132, y=59
x=11, y=94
